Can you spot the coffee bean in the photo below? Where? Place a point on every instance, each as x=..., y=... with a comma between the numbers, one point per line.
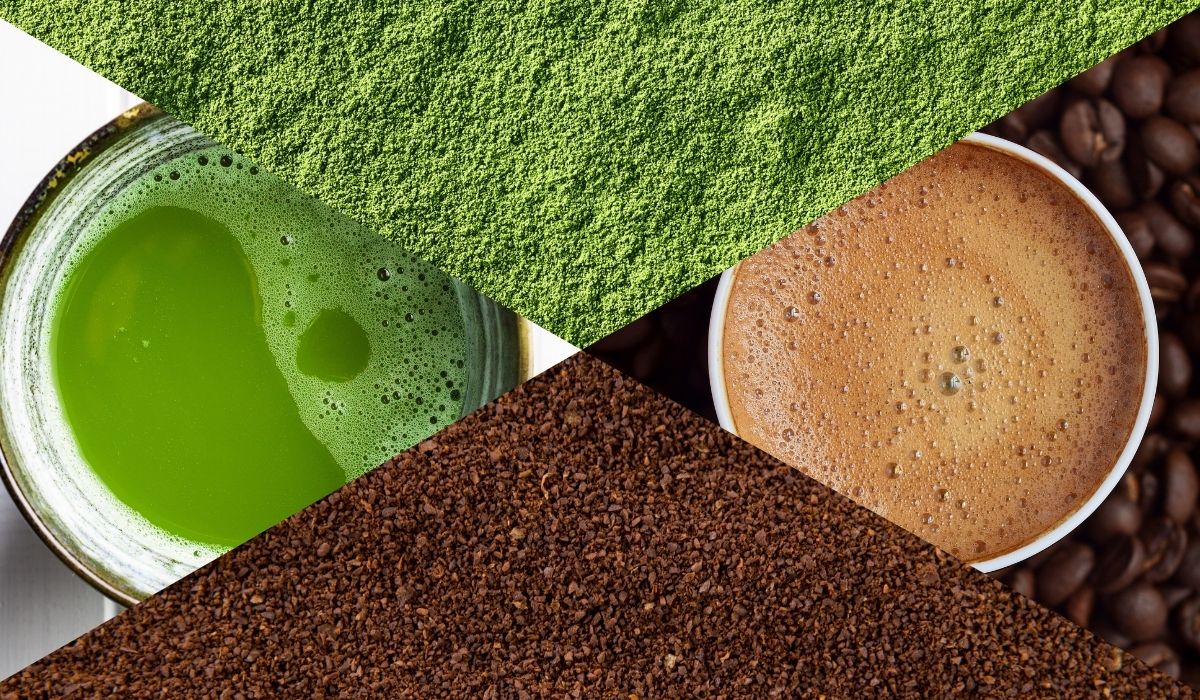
x=1189, y=330
x=1047, y=144
x=1119, y=565
x=1182, y=486
x=1023, y=582
x=1187, y=622
x=1157, y=410
x=1115, y=517
x=1185, y=200
x=1166, y=282
x=1188, y=573
x=1109, y=633
x=1080, y=605
x=1111, y=184
x=1170, y=235
x=1159, y=656
x=1147, y=178
x=1095, y=80
x=1063, y=573
x=1021, y=122
x=1185, y=419
x=1139, y=84
x=1155, y=42
x=1169, y=144
x=1184, y=40
x=1165, y=542
x=1138, y=611
x=1153, y=446
x=1174, y=366
x=1093, y=131
x=1136, y=227
x=1149, y=490
x=1183, y=96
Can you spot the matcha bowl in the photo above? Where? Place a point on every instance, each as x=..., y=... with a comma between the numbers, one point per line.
x=79, y=510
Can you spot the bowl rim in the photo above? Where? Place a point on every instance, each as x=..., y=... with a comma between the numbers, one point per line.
x=42, y=195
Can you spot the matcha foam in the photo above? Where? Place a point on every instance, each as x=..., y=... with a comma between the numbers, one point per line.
x=324, y=280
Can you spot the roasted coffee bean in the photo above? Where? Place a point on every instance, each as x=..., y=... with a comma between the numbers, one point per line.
x=1120, y=564
x=1155, y=42
x=1080, y=605
x=1136, y=227
x=1184, y=40
x=1147, y=178
x=1185, y=419
x=1128, y=489
x=1183, y=97
x=1189, y=330
x=1174, y=595
x=1159, y=656
x=1187, y=622
x=1111, y=184
x=1149, y=491
x=1174, y=366
x=1021, y=122
x=1138, y=612
x=1188, y=573
x=1170, y=235
x=1115, y=517
x=1035, y=562
x=1167, y=283
x=1109, y=633
x=1093, y=131
x=1185, y=200
x=1139, y=85
x=1095, y=80
x=1064, y=572
x=1153, y=446
x=1165, y=542
x=1023, y=582
x=1182, y=487
x=1047, y=144
x=1169, y=144
x=1157, y=410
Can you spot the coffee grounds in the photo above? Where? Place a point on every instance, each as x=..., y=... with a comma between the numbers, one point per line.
x=584, y=536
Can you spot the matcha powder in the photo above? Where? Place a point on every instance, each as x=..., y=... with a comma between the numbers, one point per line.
x=585, y=162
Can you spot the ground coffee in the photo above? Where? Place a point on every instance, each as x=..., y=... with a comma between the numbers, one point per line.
x=583, y=536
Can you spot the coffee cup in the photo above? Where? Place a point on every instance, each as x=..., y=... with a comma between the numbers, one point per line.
x=1140, y=399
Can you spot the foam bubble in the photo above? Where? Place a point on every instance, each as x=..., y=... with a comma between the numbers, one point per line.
x=319, y=273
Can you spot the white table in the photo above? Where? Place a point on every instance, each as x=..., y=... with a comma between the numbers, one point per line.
x=50, y=103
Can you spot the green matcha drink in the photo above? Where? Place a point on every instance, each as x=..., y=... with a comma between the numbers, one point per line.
x=227, y=350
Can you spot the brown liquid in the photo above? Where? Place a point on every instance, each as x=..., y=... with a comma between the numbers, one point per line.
x=961, y=350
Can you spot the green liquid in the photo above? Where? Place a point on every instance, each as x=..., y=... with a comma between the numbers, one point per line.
x=227, y=351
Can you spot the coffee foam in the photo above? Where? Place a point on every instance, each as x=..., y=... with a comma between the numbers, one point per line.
x=308, y=259
x=960, y=350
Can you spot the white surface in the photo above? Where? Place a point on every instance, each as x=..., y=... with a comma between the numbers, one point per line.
x=547, y=349
x=52, y=104
x=716, y=370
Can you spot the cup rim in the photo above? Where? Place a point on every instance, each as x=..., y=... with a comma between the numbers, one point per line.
x=529, y=356
x=716, y=370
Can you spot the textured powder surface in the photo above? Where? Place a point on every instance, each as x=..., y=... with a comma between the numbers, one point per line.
x=585, y=537
x=583, y=163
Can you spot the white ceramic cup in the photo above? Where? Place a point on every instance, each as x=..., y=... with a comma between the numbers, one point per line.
x=716, y=369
